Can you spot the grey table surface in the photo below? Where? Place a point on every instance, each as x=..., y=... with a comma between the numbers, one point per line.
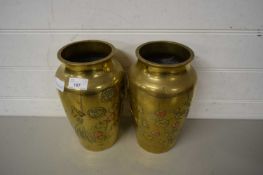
x=39, y=145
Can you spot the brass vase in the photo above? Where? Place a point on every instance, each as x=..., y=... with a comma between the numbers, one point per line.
x=161, y=86
x=90, y=82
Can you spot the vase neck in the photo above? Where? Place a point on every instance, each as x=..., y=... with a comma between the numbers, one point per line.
x=105, y=66
x=162, y=69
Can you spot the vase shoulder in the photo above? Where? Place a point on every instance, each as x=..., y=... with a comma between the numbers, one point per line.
x=97, y=79
x=162, y=83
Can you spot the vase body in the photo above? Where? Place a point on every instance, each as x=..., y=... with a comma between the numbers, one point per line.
x=90, y=83
x=161, y=86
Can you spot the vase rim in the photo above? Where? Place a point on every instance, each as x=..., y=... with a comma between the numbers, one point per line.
x=86, y=63
x=170, y=43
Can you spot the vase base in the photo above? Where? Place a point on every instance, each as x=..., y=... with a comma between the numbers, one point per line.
x=155, y=149
x=97, y=147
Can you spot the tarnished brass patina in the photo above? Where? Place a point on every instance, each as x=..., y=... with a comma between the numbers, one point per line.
x=161, y=87
x=91, y=93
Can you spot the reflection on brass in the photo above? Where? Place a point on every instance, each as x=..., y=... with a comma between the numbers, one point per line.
x=161, y=86
x=92, y=107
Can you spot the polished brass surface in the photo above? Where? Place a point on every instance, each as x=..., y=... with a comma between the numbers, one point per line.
x=161, y=86
x=93, y=111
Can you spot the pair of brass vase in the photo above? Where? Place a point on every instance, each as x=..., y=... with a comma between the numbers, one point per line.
x=91, y=84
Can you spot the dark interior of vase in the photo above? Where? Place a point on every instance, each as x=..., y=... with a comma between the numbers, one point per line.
x=86, y=51
x=164, y=53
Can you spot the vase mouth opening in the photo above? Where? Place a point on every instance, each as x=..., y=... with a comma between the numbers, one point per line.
x=86, y=52
x=164, y=54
